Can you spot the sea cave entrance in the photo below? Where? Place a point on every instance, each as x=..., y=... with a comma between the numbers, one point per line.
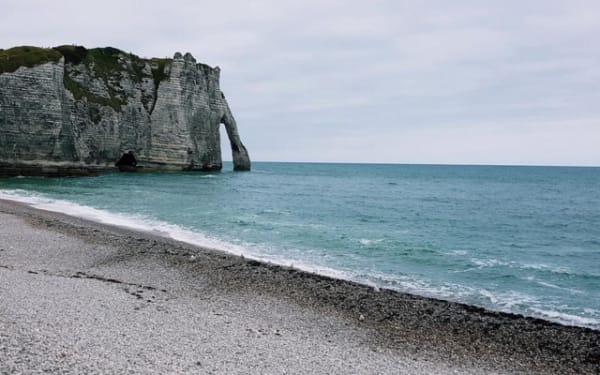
x=127, y=162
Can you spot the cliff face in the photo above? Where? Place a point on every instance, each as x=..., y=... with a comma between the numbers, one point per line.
x=81, y=110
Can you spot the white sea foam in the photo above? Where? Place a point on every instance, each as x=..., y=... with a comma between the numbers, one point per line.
x=368, y=242
x=457, y=252
x=488, y=262
x=546, y=267
x=553, y=286
x=489, y=295
x=565, y=318
x=481, y=263
x=529, y=305
x=509, y=301
x=414, y=285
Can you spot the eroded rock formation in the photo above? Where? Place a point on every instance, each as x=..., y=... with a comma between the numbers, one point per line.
x=77, y=111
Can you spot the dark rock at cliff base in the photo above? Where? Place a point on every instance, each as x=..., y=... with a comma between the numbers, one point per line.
x=75, y=110
x=46, y=170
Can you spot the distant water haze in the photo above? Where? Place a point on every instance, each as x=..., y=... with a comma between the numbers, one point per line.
x=517, y=239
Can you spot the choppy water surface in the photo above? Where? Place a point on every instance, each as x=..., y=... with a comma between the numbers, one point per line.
x=518, y=239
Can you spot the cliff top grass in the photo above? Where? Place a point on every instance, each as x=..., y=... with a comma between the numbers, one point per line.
x=107, y=64
x=16, y=57
x=106, y=60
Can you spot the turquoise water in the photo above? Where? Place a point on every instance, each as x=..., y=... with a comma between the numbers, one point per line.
x=517, y=239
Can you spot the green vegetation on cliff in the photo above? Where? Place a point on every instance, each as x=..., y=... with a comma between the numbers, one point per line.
x=109, y=64
x=79, y=92
x=72, y=54
x=14, y=58
x=158, y=69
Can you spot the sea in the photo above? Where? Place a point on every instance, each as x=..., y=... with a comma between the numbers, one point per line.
x=524, y=240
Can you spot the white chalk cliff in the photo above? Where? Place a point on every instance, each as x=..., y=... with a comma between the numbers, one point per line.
x=80, y=110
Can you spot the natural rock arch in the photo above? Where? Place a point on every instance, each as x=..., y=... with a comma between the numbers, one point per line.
x=241, y=159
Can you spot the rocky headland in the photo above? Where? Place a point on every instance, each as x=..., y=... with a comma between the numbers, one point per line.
x=69, y=110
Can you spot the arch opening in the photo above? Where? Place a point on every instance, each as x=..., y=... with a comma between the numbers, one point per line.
x=224, y=144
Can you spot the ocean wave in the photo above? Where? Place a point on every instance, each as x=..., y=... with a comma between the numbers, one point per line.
x=511, y=301
x=569, y=319
x=507, y=301
x=457, y=252
x=491, y=262
x=488, y=262
x=553, y=286
x=546, y=267
x=369, y=242
x=411, y=284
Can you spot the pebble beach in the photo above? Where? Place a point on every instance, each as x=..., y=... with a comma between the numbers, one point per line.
x=82, y=297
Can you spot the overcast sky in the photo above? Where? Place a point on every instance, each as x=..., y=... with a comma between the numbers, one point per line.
x=492, y=82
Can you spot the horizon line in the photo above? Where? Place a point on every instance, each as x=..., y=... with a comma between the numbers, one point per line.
x=430, y=164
